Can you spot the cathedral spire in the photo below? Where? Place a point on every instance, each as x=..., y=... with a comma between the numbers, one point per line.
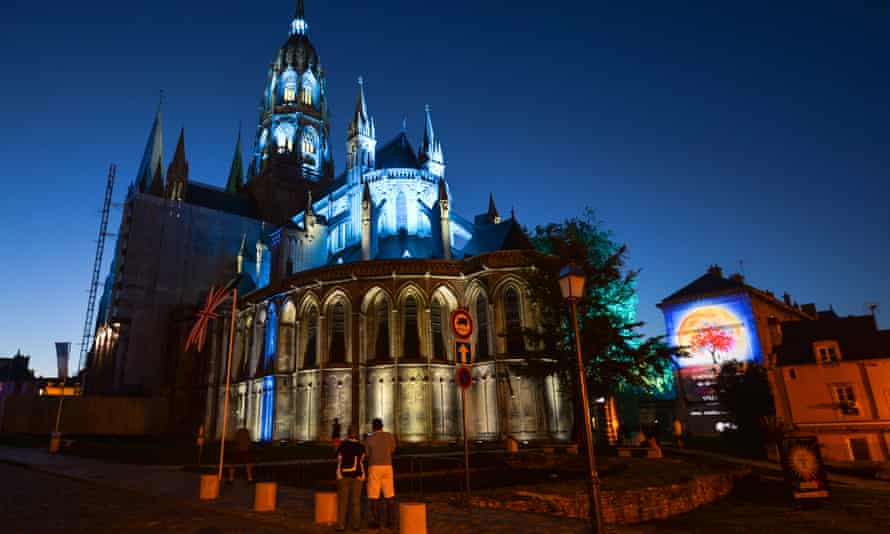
x=153, y=157
x=178, y=171
x=430, y=153
x=157, y=183
x=362, y=123
x=236, y=173
x=299, y=26
x=493, y=216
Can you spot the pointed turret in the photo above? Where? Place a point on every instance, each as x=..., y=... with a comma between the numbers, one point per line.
x=430, y=153
x=299, y=26
x=444, y=215
x=236, y=173
x=178, y=171
x=157, y=183
x=367, y=224
x=153, y=157
x=493, y=216
x=361, y=141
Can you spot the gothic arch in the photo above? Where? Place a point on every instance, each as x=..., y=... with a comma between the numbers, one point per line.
x=287, y=337
x=338, y=333
x=442, y=302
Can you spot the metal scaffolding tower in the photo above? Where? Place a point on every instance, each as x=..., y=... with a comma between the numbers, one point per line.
x=88, y=325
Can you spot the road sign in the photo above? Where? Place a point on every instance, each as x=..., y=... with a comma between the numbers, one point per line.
x=462, y=324
x=464, y=377
x=464, y=352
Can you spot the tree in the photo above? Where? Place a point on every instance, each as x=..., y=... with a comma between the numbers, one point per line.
x=744, y=391
x=616, y=355
x=713, y=339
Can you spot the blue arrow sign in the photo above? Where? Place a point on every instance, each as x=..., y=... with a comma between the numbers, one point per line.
x=464, y=352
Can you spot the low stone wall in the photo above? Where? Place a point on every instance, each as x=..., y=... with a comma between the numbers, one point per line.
x=625, y=507
x=115, y=416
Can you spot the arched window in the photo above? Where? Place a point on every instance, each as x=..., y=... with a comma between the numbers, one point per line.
x=285, y=359
x=411, y=339
x=513, y=322
x=310, y=140
x=284, y=138
x=380, y=346
x=306, y=95
x=337, y=349
x=438, y=332
x=290, y=93
x=271, y=340
x=310, y=356
x=482, y=350
x=401, y=212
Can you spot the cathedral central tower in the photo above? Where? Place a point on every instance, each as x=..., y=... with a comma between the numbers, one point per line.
x=292, y=147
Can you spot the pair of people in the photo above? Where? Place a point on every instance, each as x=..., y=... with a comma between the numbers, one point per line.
x=378, y=449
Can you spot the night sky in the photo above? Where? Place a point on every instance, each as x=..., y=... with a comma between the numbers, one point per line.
x=700, y=132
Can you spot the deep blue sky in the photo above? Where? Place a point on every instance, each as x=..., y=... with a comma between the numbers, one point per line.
x=701, y=132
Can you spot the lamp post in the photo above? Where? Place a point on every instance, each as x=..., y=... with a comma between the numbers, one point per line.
x=571, y=284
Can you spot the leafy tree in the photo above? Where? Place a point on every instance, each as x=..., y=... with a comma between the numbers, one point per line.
x=713, y=339
x=743, y=389
x=616, y=355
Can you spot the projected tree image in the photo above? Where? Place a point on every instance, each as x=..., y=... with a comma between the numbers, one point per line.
x=713, y=339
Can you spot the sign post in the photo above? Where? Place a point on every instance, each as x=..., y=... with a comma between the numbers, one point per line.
x=462, y=326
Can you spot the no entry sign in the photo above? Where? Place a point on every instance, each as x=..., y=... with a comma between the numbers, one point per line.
x=461, y=324
x=464, y=377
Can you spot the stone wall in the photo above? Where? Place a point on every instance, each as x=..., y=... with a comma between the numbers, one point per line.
x=624, y=507
x=109, y=416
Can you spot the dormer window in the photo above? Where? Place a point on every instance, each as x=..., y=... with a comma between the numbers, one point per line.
x=827, y=352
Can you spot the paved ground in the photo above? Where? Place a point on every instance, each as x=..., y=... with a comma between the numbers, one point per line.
x=65, y=494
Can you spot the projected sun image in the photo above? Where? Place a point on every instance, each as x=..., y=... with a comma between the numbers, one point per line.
x=713, y=335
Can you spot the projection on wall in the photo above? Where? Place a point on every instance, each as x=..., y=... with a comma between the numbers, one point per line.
x=713, y=331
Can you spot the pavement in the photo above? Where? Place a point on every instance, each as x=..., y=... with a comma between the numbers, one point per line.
x=165, y=498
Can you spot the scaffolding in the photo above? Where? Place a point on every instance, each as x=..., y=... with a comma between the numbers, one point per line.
x=88, y=326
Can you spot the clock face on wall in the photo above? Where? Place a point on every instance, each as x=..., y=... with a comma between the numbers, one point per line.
x=804, y=462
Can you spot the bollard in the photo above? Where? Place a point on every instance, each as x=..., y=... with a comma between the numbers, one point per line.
x=265, y=497
x=572, y=449
x=512, y=445
x=209, y=487
x=412, y=518
x=550, y=451
x=55, y=441
x=325, y=508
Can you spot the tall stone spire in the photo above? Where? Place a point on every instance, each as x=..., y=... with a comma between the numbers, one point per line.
x=236, y=173
x=153, y=157
x=299, y=26
x=178, y=171
x=361, y=140
x=157, y=183
x=493, y=216
x=430, y=153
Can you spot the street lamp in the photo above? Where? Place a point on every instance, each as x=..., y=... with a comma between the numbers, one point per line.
x=571, y=284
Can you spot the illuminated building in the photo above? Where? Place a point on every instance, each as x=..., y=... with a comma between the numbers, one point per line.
x=718, y=319
x=348, y=283
x=832, y=379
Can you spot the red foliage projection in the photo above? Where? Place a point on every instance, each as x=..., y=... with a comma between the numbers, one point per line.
x=713, y=339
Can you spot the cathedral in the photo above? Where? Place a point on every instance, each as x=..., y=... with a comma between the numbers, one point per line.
x=347, y=283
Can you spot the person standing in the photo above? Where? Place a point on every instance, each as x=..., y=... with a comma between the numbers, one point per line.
x=350, y=476
x=335, y=434
x=241, y=455
x=380, y=446
x=678, y=432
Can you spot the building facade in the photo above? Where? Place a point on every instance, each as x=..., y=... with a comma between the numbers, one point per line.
x=718, y=319
x=347, y=282
x=832, y=379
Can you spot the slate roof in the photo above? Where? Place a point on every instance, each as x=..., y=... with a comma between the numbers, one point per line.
x=858, y=337
x=397, y=154
x=507, y=235
x=708, y=283
x=214, y=198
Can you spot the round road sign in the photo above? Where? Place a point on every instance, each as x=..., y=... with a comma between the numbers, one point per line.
x=464, y=377
x=462, y=324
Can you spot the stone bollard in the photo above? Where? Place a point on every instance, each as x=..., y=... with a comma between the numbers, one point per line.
x=209, y=487
x=265, y=496
x=55, y=441
x=325, y=508
x=412, y=518
x=512, y=445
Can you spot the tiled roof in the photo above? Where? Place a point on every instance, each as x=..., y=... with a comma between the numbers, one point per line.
x=397, y=154
x=858, y=337
x=708, y=283
x=507, y=235
x=218, y=199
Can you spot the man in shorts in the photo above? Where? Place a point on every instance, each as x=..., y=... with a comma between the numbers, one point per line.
x=380, y=446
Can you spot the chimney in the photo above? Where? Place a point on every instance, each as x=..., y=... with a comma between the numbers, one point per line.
x=786, y=298
x=738, y=278
x=715, y=270
x=809, y=309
